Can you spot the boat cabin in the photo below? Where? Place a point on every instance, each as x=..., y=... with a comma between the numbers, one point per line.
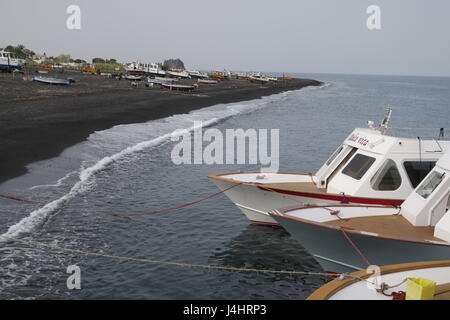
x=8, y=60
x=429, y=204
x=372, y=164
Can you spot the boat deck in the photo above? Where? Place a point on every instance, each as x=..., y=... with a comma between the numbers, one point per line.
x=392, y=226
x=351, y=288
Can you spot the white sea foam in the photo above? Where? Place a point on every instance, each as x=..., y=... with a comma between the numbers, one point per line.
x=220, y=113
x=57, y=184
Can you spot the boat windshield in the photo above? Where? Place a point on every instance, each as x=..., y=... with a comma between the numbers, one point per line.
x=334, y=155
x=418, y=170
x=358, y=166
x=430, y=184
x=387, y=178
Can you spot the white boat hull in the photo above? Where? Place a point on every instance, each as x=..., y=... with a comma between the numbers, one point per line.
x=255, y=203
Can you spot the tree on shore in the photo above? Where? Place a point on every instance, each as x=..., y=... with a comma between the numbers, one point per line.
x=62, y=58
x=98, y=60
x=20, y=51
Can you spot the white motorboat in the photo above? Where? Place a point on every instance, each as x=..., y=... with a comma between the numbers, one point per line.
x=133, y=77
x=369, y=167
x=197, y=74
x=179, y=87
x=178, y=74
x=351, y=237
x=207, y=81
x=259, y=78
x=49, y=80
x=9, y=61
x=407, y=281
x=152, y=69
x=159, y=81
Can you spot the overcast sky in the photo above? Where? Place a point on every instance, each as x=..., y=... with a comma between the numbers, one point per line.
x=323, y=36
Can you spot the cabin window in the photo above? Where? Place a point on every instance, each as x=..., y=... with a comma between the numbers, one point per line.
x=430, y=184
x=387, y=178
x=334, y=155
x=358, y=166
x=418, y=170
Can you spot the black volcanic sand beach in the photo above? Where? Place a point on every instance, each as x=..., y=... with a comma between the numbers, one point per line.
x=38, y=121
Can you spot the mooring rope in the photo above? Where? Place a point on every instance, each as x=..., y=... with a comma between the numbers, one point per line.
x=173, y=263
x=177, y=207
x=358, y=251
x=139, y=214
x=19, y=199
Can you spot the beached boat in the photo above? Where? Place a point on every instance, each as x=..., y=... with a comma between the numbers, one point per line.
x=346, y=237
x=207, y=81
x=350, y=175
x=159, y=81
x=197, y=74
x=49, y=80
x=133, y=77
x=178, y=74
x=44, y=71
x=155, y=69
x=179, y=87
x=9, y=61
x=151, y=69
x=259, y=78
x=395, y=282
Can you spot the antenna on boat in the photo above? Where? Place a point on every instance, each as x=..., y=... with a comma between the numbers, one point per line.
x=387, y=118
x=384, y=125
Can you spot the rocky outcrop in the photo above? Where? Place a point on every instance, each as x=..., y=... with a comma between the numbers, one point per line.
x=173, y=64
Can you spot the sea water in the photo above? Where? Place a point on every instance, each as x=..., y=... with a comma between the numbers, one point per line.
x=128, y=169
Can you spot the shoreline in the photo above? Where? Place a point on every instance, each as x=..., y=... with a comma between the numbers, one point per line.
x=39, y=121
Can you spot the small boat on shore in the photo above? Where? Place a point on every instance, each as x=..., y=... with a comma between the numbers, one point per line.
x=179, y=87
x=9, y=61
x=197, y=74
x=369, y=167
x=428, y=280
x=178, y=74
x=49, y=80
x=44, y=71
x=258, y=78
x=207, y=81
x=346, y=237
x=133, y=77
x=151, y=69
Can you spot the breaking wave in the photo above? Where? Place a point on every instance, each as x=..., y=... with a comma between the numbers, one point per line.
x=208, y=116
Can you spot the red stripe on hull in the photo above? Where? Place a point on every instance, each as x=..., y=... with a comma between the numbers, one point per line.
x=385, y=202
x=265, y=222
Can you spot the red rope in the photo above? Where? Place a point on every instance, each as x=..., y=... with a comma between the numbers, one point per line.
x=175, y=208
x=18, y=199
x=356, y=248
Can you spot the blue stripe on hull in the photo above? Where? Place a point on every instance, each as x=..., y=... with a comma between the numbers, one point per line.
x=10, y=66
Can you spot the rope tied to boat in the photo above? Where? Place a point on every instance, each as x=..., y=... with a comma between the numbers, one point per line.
x=138, y=214
x=358, y=251
x=19, y=199
x=177, y=207
x=396, y=295
x=172, y=263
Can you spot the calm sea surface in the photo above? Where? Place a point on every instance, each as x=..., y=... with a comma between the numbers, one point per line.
x=129, y=169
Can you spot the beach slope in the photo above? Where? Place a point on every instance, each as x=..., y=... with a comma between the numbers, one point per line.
x=38, y=121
